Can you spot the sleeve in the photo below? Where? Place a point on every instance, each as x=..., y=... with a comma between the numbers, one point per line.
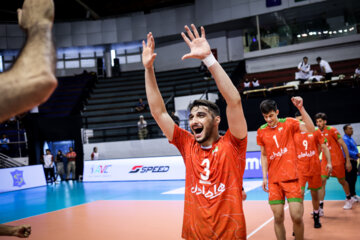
x=181, y=138
x=259, y=139
x=335, y=133
x=294, y=124
x=238, y=144
x=299, y=65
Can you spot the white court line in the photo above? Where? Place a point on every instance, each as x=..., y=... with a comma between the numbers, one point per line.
x=269, y=220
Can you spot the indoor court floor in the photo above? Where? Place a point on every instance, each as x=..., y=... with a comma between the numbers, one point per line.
x=153, y=210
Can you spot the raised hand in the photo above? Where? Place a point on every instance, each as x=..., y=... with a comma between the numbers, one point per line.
x=199, y=46
x=298, y=102
x=148, y=55
x=36, y=12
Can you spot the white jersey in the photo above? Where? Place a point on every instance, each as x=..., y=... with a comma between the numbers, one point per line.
x=48, y=163
x=326, y=65
x=256, y=83
x=246, y=84
x=357, y=71
x=95, y=156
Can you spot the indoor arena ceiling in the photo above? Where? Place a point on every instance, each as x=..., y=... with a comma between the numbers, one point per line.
x=69, y=10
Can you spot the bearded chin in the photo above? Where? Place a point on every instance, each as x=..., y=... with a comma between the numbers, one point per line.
x=206, y=136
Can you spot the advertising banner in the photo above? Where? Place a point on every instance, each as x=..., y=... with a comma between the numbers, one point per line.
x=153, y=168
x=18, y=178
x=135, y=169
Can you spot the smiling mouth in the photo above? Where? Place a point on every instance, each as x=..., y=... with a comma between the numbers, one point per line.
x=197, y=131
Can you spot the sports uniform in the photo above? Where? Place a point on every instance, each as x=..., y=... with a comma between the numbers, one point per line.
x=308, y=162
x=213, y=186
x=281, y=156
x=337, y=158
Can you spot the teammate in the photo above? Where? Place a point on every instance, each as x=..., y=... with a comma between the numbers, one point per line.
x=278, y=160
x=335, y=143
x=214, y=164
x=31, y=79
x=308, y=146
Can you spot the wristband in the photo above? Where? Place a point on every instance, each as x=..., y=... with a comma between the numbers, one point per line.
x=209, y=60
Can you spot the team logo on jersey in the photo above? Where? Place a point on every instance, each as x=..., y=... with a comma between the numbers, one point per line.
x=280, y=129
x=211, y=193
x=278, y=154
x=215, y=150
x=18, y=178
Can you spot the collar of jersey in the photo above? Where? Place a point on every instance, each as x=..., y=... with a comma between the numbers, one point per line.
x=206, y=147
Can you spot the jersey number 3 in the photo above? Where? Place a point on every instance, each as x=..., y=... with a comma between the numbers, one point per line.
x=205, y=178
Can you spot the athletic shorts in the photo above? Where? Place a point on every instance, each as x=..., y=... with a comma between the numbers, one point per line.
x=290, y=189
x=314, y=182
x=338, y=171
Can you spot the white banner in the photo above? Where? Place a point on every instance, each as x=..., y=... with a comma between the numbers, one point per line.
x=134, y=169
x=18, y=178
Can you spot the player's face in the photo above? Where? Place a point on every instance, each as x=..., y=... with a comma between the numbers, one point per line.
x=271, y=118
x=202, y=123
x=320, y=123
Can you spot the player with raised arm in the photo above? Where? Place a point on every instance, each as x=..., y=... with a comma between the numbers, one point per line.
x=335, y=143
x=278, y=160
x=214, y=164
x=308, y=147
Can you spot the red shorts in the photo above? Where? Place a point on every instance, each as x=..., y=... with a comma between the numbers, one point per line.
x=290, y=189
x=314, y=182
x=338, y=171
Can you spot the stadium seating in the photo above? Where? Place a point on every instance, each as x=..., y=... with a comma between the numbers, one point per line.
x=110, y=107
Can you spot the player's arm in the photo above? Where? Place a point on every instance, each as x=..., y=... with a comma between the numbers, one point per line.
x=200, y=49
x=22, y=231
x=308, y=125
x=31, y=79
x=264, y=167
x=327, y=155
x=155, y=100
x=346, y=151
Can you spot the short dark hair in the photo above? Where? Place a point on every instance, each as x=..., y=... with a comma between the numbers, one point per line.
x=213, y=108
x=297, y=114
x=267, y=106
x=318, y=59
x=321, y=116
x=346, y=126
x=305, y=57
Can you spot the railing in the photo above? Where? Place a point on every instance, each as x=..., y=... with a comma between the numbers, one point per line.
x=8, y=162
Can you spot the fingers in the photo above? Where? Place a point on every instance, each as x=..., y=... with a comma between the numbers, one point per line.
x=190, y=34
x=19, y=14
x=186, y=56
x=186, y=39
x=195, y=31
x=152, y=41
x=202, y=31
x=143, y=44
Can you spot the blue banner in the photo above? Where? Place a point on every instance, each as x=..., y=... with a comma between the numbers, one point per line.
x=253, y=165
x=272, y=3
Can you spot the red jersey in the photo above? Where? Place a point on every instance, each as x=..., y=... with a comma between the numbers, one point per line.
x=332, y=135
x=71, y=156
x=307, y=151
x=280, y=149
x=213, y=186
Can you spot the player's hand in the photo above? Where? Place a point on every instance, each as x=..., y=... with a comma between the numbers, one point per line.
x=265, y=185
x=244, y=195
x=298, y=102
x=329, y=169
x=36, y=12
x=348, y=166
x=148, y=55
x=22, y=231
x=199, y=46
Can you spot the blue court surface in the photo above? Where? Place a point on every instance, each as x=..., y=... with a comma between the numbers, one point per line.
x=30, y=202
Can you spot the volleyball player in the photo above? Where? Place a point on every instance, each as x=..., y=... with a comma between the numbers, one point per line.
x=214, y=164
x=278, y=160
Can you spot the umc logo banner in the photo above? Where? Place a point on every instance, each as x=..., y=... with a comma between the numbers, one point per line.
x=18, y=178
x=253, y=165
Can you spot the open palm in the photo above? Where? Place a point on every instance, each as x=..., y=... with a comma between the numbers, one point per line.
x=199, y=46
x=148, y=55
